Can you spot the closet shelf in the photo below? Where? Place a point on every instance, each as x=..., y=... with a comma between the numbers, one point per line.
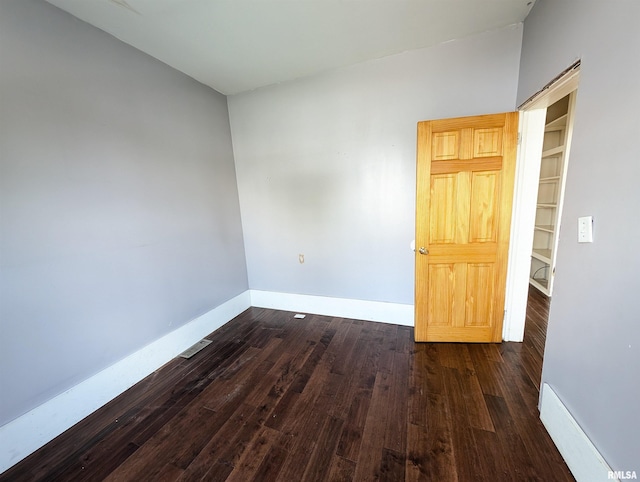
x=557, y=124
x=549, y=179
x=543, y=255
x=554, y=151
x=541, y=284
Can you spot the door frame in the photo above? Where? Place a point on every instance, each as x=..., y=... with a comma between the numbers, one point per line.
x=531, y=134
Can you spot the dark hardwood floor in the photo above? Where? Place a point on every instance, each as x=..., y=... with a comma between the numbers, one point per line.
x=277, y=398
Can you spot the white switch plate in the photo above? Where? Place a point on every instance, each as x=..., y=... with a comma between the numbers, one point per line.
x=585, y=229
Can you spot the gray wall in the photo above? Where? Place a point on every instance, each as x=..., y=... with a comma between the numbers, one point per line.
x=119, y=210
x=593, y=345
x=326, y=165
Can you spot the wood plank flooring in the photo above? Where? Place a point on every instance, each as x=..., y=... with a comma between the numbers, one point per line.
x=277, y=398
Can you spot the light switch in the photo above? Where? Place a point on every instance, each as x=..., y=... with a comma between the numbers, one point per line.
x=585, y=229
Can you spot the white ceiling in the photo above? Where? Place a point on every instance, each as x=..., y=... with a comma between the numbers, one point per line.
x=239, y=45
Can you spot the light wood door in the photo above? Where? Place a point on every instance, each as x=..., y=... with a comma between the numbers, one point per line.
x=465, y=175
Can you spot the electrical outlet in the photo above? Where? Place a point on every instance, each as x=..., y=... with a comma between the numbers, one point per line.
x=301, y=258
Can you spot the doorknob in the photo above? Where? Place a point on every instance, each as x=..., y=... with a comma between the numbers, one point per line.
x=423, y=250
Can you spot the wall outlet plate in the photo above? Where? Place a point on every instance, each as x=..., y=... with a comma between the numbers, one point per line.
x=585, y=229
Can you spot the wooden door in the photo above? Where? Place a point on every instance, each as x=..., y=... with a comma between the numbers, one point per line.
x=465, y=176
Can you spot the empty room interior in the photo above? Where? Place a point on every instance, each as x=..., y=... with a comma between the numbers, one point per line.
x=290, y=182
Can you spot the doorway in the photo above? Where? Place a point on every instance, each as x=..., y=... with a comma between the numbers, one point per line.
x=554, y=161
x=530, y=201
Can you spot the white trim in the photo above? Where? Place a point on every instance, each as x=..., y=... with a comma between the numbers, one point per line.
x=582, y=457
x=553, y=92
x=399, y=314
x=27, y=433
x=522, y=222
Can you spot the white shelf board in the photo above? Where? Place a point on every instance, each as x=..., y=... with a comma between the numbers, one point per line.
x=547, y=228
x=553, y=151
x=549, y=179
x=543, y=255
x=557, y=124
x=540, y=284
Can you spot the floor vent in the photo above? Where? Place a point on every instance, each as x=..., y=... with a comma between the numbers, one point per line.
x=189, y=352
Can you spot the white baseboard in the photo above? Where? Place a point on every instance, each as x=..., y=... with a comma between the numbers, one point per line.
x=27, y=433
x=582, y=457
x=24, y=435
x=396, y=313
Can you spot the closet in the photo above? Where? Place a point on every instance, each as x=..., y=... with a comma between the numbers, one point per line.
x=551, y=184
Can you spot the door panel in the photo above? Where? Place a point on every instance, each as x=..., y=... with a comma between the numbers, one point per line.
x=442, y=295
x=484, y=196
x=487, y=142
x=479, y=294
x=465, y=171
x=442, y=226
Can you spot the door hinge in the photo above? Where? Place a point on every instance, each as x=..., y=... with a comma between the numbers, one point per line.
x=519, y=138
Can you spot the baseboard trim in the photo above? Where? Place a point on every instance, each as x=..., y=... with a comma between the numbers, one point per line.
x=27, y=433
x=582, y=457
x=396, y=313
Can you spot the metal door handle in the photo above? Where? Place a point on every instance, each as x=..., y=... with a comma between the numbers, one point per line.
x=423, y=250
